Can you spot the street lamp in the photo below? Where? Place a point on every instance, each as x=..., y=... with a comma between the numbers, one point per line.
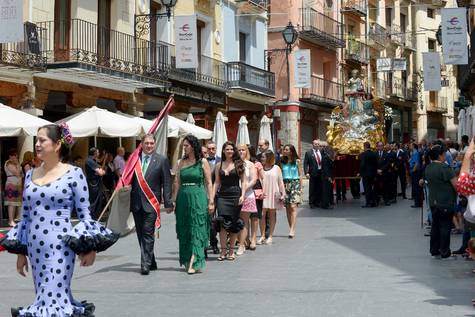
x=169, y=4
x=290, y=35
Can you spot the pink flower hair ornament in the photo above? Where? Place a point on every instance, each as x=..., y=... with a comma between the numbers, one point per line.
x=66, y=136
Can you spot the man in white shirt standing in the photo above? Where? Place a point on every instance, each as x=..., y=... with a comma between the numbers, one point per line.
x=119, y=162
x=312, y=165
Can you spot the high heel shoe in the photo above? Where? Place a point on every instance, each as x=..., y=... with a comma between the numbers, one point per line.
x=241, y=250
x=261, y=241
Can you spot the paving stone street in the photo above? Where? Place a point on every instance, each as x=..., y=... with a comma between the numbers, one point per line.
x=343, y=262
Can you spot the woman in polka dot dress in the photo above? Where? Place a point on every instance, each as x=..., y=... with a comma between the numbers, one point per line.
x=45, y=234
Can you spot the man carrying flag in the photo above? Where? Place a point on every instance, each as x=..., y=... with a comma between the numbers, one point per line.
x=152, y=177
x=149, y=174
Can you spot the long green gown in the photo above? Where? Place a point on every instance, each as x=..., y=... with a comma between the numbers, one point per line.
x=192, y=226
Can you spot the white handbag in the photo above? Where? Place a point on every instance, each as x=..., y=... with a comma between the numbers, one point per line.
x=469, y=213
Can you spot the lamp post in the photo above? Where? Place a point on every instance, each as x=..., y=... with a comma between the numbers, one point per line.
x=169, y=4
x=290, y=35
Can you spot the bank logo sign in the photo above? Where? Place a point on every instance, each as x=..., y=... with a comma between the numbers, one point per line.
x=454, y=36
x=186, y=42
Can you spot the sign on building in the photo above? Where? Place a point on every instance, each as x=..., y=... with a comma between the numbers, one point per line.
x=302, y=69
x=431, y=69
x=399, y=64
x=454, y=36
x=383, y=64
x=186, y=42
x=11, y=21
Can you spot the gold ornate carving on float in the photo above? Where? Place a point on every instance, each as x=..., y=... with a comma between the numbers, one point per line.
x=360, y=120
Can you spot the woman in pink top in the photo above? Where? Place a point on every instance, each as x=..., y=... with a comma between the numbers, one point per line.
x=249, y=205
x=274, y=194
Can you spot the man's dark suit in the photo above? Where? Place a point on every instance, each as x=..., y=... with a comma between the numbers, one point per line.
x=327, y=173
x=401, y=169
x=368, y=172
x=391, y=177
x=383, y=165
x=310, y=166
x=213, y=232
x=158, y=178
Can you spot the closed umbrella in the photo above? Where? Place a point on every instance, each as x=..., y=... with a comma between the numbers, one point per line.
x=190, y=119
x=265, y=132
x=243, y=132
x=219, y=132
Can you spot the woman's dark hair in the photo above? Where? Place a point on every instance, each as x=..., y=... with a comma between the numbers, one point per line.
x=270, y=157
x=12, y=152
x=92, y=151
x=195, y=144
x=252, y=153
x=54, y=133
x=293, y=155
x=435, y=152
x=238, y=163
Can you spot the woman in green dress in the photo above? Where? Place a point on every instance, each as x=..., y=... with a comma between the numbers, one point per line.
x=194, y=199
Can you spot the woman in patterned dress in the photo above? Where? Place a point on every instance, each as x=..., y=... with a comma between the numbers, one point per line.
x=249, y=204
x=46, y=235
x=292, y=175
x=12, y=186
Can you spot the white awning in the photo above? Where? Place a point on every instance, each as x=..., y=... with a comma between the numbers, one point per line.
x=14, y=122
x=219, y=132
x=176, y=127
x=99, y=122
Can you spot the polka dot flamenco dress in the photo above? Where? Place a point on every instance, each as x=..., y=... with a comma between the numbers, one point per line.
x=46, y=235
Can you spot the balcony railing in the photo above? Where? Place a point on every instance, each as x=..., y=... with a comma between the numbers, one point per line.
x=324, y=92
x=241, y=75
x=377, y=35
x=253, y=5
x=408, y=41
x=439, y=105
x=321, y=29
x=30, y=53
x=395, y=34
x=381, y=89
x=357, y=7
x=87, y=43
x=356, y=51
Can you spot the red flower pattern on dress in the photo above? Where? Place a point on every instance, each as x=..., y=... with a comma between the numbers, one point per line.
x=466, y=184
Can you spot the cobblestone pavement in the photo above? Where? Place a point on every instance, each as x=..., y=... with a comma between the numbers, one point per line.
x=343, y=262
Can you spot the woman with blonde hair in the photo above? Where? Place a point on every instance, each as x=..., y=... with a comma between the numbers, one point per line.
x=274, y=194
x=249, y=204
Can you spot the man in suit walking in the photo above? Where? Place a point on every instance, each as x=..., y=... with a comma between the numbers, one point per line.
x=401, y=168
x=382, y=172
x=391, y=175
x=368, y=172
x=213, y=160
x=327, y=179
x=312, y=165
x=151, y=183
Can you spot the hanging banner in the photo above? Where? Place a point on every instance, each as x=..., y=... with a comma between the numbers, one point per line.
x=454, y=36
x=11, y=21
x=383, y=65
x=431, y=69
x=399, y=64
x=302, y=69
x=186, y=48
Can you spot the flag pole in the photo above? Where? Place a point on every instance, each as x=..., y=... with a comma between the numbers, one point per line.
x=170, y=103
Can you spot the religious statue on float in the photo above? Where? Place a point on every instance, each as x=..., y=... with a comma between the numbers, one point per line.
x=359, y=119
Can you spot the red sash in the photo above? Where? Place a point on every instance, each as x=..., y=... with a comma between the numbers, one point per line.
x=148, y=192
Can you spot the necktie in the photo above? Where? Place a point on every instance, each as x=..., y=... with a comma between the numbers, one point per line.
x=318, y=158
x=145, y=164
x=380, y=154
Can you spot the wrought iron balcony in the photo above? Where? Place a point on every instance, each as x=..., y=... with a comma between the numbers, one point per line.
x=30, y=53
x=395, y=34
x=437, y=105
x=381, y=89
x=356, y=51
x=249, y=78
x=378, y=37
x=321, y=29
x=252, y=6
x=79, y=43
x=357, y=7
x=408, y=41
x=323, y=92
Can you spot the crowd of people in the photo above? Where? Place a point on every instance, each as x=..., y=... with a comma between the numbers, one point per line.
x=225, y=200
